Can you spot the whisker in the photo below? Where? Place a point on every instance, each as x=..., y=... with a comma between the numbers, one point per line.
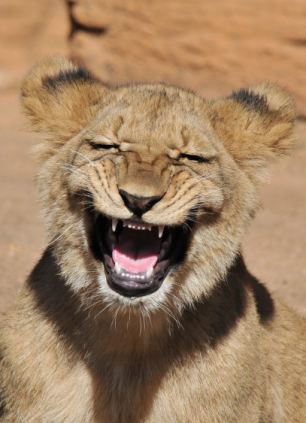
x=103, y=310
x=84, y=157
x=60, y=235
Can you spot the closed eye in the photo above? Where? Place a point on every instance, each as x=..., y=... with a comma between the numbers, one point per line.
x=99, y=146
x=194, y=158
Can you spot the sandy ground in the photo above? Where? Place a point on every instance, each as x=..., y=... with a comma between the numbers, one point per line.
x=275, y=247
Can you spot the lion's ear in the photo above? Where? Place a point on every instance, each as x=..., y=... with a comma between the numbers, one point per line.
x=60, y=98
x=255, y=124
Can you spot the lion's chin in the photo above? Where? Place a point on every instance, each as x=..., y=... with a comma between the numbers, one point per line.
x=137, y=256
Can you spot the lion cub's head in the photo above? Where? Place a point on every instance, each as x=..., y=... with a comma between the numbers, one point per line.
x=148, y=189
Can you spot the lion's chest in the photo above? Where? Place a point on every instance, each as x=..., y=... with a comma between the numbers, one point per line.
x=195, y=390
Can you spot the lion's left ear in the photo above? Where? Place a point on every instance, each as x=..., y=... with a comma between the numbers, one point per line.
x=60, y=98
x=255, y=124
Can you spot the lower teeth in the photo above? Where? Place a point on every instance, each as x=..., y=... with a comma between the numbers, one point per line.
x=132, y=276
x=122, y=273
x=118, y=268
x=149, y=273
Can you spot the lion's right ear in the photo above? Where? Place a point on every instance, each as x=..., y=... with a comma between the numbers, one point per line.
x=60, y=98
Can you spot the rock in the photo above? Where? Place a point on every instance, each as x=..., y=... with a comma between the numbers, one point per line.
x=29, y=31
x=207, y=46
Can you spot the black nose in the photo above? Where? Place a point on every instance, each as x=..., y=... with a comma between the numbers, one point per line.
x=138, y=205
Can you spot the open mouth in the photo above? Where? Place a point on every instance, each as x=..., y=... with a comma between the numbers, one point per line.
x=137, y=256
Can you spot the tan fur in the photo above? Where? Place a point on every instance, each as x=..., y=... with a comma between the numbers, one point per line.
x=211, y=345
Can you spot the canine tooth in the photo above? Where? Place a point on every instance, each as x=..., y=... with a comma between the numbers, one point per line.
x=160, y=230
x=149, y=272
x=114, y=224
x=118, y=268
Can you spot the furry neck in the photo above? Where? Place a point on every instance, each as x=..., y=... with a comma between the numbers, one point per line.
x=91, y=333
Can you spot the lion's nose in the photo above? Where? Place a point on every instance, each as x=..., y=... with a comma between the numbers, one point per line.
x=138, y=205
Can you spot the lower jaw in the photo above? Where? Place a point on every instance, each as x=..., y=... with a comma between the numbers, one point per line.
x=132, y=289
x=132, y=286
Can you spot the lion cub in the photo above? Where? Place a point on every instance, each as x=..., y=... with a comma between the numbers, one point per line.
x=141, y=308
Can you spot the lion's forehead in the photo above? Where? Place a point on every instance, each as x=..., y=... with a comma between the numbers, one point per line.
x=155, y=120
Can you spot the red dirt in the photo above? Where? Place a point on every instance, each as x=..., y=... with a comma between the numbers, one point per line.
x=275, y=247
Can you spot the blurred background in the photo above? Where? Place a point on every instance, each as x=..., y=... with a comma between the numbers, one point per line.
x=212, y=46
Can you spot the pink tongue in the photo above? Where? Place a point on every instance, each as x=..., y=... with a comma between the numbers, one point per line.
x=136, y=251
x=134, y=266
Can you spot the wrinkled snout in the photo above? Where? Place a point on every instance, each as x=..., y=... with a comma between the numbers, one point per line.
x=142, y=182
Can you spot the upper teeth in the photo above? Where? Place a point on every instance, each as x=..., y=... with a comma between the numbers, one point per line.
x=114, y=224
x=160, y=231
x=138, y=227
